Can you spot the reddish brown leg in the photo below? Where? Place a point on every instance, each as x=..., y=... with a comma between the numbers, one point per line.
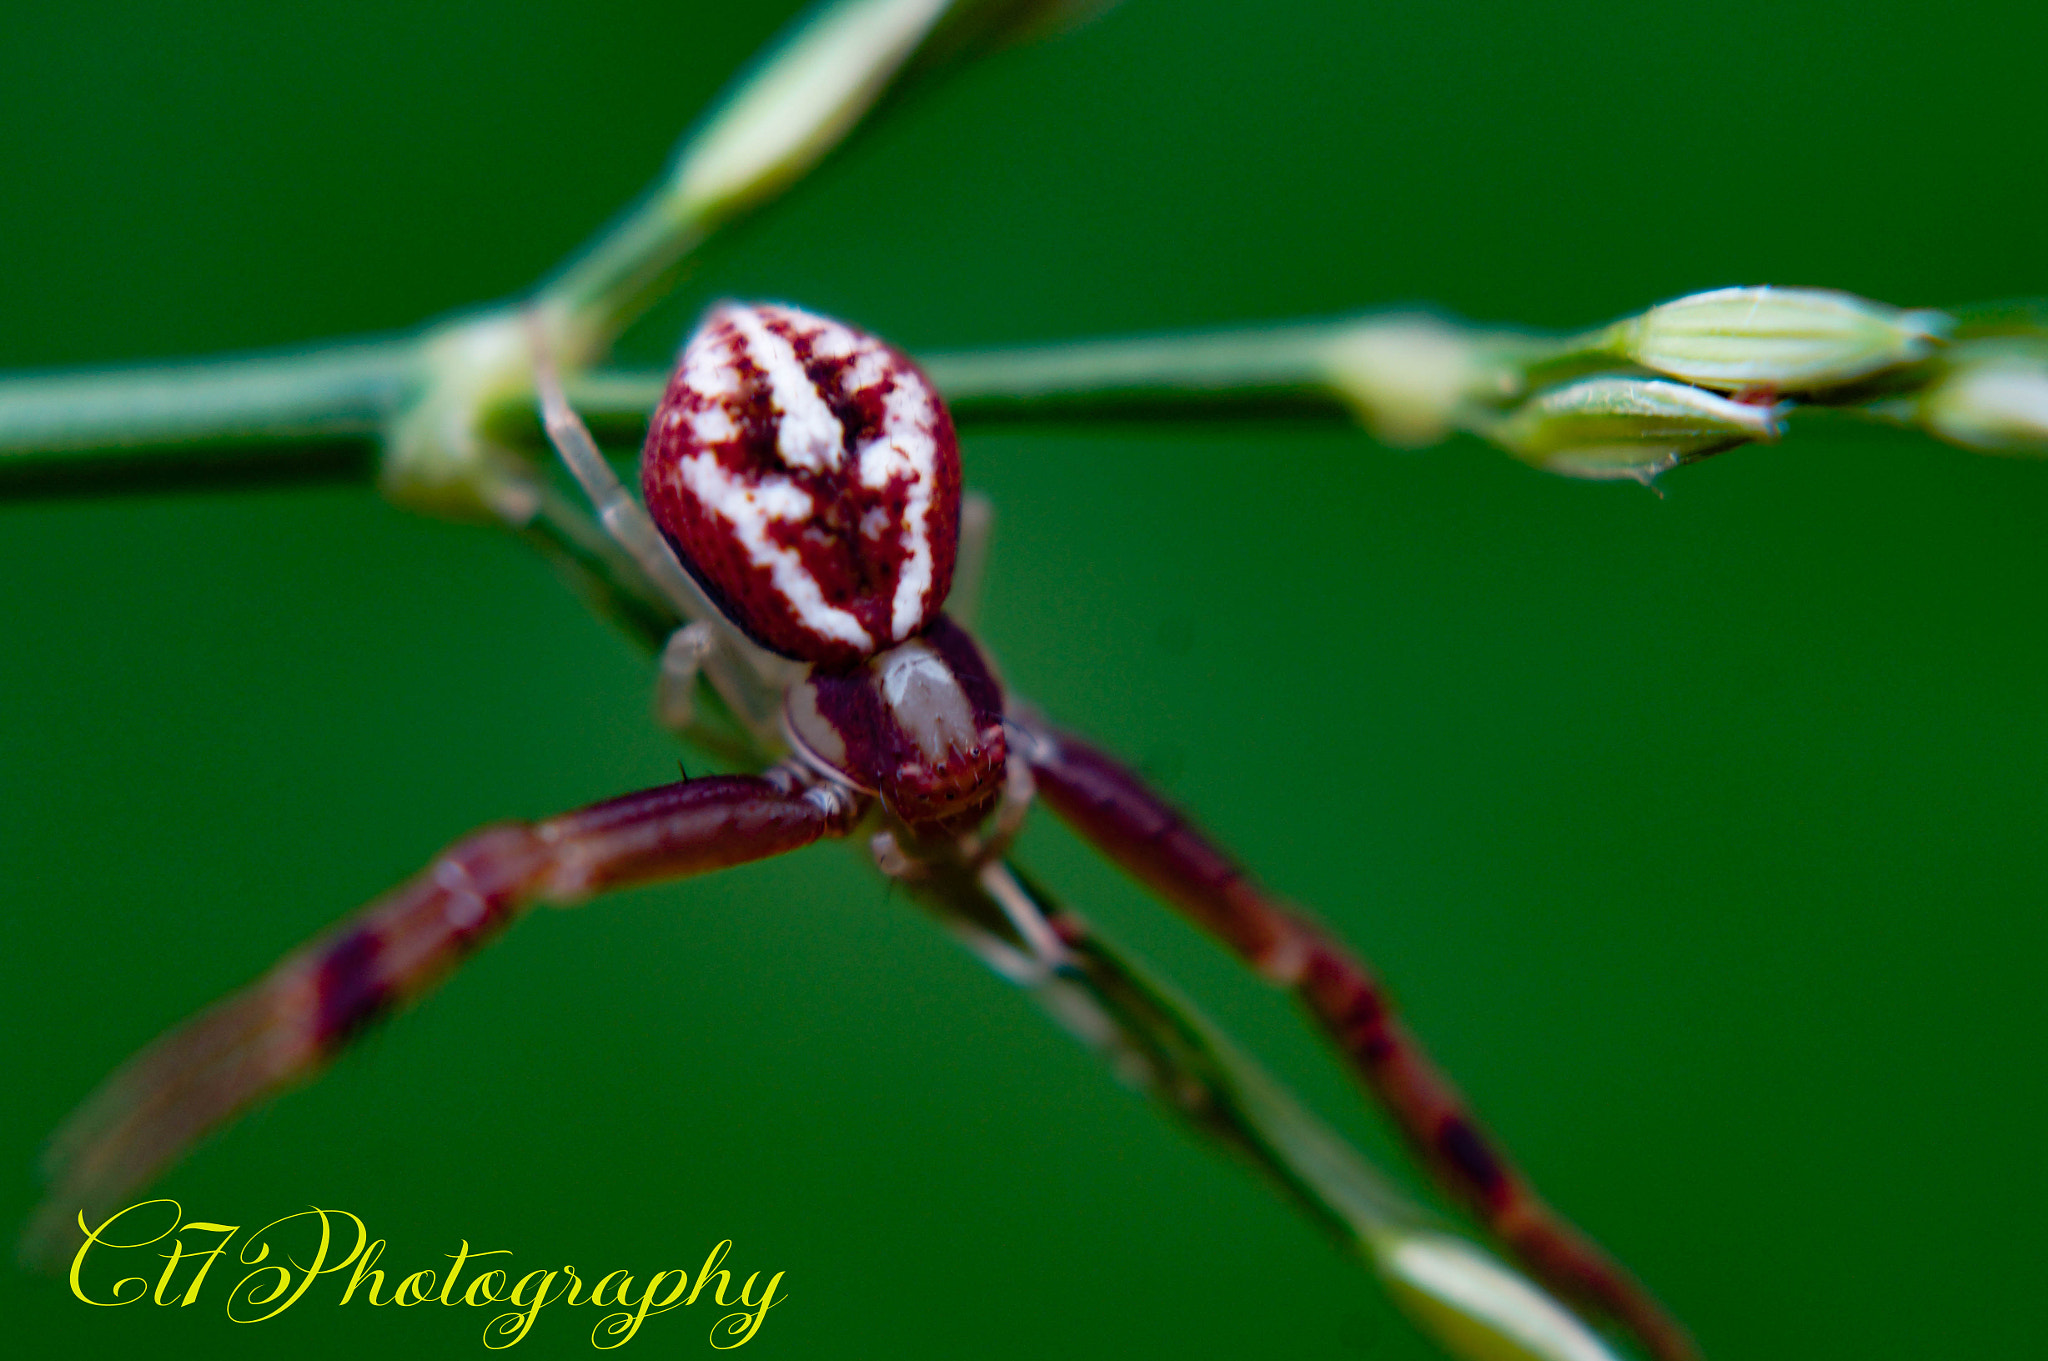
x=1138, y=829
x=287, y=1025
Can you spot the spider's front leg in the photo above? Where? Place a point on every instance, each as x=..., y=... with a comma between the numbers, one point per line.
x=290, y=1023
x=1140, y=830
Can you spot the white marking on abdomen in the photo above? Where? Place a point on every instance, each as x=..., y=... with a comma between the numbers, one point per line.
x=907, y=446
x=808, y=436
x=748, y=510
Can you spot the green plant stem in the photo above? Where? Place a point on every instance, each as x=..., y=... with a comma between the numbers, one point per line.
x=320, y=412
x=1217, y=1089
x=291, y=408
x=1283, y=365
x=792, y=107
x=1159, y=1043
x=1156, y=1041
x=264, y=415
x=1277, y=371
x=2006, y=317
x=1281, y=369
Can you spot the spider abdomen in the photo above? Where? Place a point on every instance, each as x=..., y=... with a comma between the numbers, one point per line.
x=808, y=476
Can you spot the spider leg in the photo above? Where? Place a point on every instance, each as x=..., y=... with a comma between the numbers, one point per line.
x=287, y=1025
x=675, y=684
x=1112, y=808
x=753, y=680
x=970, y=562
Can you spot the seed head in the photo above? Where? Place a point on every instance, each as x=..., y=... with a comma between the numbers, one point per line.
x=1608, y=428
x=1477, y=1308
x=1784, y=339
x=799, y=101
x=1995, y=400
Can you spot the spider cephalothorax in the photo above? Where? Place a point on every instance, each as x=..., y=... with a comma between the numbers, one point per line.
x=808, y=476
x=921, y=724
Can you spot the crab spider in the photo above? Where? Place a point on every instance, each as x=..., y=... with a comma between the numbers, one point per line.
x=803, y=514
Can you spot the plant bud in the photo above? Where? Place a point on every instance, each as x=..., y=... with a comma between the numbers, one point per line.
x=799, y=101
x=1609, y=428
x=1475, y=1307
x=803, y=97
x=1782, y=339
x=1411, y=378
x=1995, y=400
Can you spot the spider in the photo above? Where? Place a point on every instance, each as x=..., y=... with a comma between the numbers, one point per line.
x=804, y=514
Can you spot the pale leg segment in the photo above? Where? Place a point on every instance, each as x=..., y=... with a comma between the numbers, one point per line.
x=1044, y=942
x=755, y=679
x=675, y=683
x=970, y=564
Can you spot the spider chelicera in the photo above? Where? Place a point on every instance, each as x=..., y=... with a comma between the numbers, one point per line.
x=804, y=514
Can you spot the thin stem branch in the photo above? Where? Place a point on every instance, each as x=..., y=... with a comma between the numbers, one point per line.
x=1284, y=364
x=777, y=120
x=1290, y=367
x=265, y=416
x=317, y=412
x=1156, y=1041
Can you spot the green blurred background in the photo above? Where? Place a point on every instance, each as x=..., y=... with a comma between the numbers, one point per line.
x=1701, y=837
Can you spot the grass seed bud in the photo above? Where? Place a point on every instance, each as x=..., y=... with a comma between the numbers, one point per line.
x=799, y=101
x=1996, y=401
x=1782, y=339
x=1475, y=1307
x=1635, y=428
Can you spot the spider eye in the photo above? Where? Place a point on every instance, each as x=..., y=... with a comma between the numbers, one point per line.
x=808, y=476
